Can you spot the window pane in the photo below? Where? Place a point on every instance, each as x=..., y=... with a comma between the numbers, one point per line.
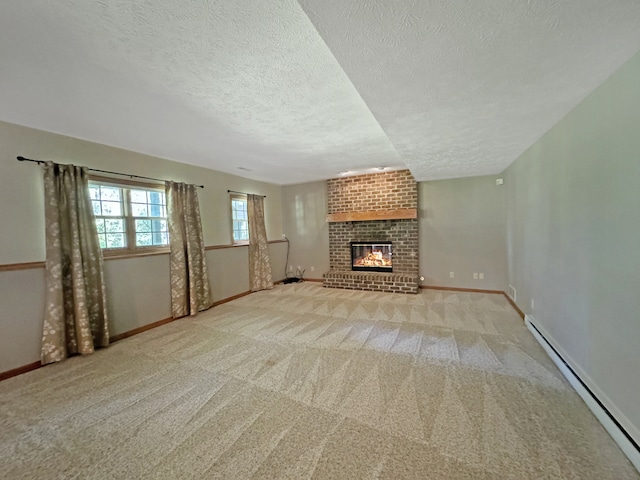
x=139, y=210
x=160, y=238
x=239, y=219
x=156, y=210
x=97, y=210
x=110, y=193
x=109, y=201
x=139, y=196
x=143, y=226
x=115, y=240
x=112, y=208
x=156, y=197
x=158, y=225
x=143, y=240
x=114, y=226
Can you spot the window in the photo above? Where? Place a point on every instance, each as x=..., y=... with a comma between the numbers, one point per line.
x=131, y=218
x=239, y=219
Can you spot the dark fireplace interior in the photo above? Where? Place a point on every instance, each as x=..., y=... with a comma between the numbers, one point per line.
x=371, y=256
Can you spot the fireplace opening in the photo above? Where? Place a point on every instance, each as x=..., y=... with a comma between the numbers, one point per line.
x=371, y=256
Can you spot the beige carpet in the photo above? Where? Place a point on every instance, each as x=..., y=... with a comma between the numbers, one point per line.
x=306, y=382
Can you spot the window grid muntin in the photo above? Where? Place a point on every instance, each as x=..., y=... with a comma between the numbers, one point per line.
x=148, y=208
x=239, y=219
x=156, y=201
x=110, y=220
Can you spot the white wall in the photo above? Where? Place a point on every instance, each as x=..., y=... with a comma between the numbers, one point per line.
x=573, y=239
x=304, y=208
x=462, y=230
x=138, y=288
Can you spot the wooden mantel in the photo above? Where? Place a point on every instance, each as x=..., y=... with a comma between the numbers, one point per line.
x=399, y=214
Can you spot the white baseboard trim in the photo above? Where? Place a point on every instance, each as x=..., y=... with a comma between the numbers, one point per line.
x=620, y=429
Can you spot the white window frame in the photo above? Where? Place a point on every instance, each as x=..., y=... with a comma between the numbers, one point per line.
x=243, y=198
x=131, y=249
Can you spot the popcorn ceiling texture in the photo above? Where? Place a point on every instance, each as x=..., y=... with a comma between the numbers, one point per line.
x=299, y=91
x=464, y=88
x=218, y=84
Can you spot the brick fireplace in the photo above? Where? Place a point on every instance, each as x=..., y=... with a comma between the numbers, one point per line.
x=380, y=207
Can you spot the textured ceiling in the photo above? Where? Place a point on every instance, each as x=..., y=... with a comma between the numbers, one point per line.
x=296, y=92
x=464, y=88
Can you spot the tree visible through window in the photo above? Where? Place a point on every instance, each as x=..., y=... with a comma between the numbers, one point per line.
x=239, y=218
x=129, y=218
x=150, y=213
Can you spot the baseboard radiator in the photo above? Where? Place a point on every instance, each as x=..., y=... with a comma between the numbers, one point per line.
x=620, y=435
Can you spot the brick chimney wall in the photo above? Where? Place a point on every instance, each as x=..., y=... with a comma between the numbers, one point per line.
x=377, y=191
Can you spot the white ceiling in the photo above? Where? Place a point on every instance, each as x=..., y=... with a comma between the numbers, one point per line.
x=296, y=92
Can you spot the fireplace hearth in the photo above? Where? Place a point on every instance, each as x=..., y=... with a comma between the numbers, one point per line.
x=371, y=256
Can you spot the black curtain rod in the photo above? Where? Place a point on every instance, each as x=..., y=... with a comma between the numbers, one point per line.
x=244, y=193
x=22, y=159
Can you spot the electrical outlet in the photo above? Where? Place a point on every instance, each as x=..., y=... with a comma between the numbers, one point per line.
x=481, y=276
x=284, y=236
x=475, y=276
x=450, y=274
x=533, y=304
x=313, y=269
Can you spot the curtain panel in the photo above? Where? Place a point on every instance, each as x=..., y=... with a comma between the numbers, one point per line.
x=259, y=266
x=76, y=318
x=190, y=290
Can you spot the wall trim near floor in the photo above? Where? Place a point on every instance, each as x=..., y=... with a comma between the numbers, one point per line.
x=135, y=331
x=614, y=421
x=228, y=299
x=475, y=290
x=457, y=289
x=513, y=304
x=144, y=328
x=116, y=338
x=20, y=370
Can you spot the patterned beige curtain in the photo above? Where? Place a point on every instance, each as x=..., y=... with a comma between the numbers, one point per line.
x=76, y=308
x=190, y=290
x=259, y=266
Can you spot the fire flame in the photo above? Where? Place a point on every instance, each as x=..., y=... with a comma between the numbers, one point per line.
x=373, y=259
